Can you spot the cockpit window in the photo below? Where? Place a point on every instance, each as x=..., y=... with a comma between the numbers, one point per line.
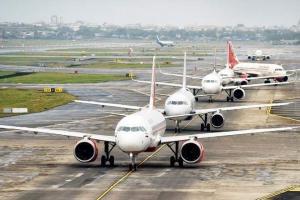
x=177, y=103
x=210, y=81
x=132, y=129
x=278, y=69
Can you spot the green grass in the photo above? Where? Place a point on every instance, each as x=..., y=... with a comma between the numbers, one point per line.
x=115, y=65
x=32, y=61
x=61, y=78
x=5, y=73
x=34, y=100
x=104, y=63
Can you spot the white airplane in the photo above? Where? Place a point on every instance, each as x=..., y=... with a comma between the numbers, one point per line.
x=258, y=55
x=142, y=131
x=261, y=70
x=213, y=84
x=180, y=106
x=164, y=43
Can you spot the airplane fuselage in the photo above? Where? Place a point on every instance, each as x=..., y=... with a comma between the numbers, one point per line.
x=259, y=69
x=212, y=84
x=140, y=131
x=180, y=103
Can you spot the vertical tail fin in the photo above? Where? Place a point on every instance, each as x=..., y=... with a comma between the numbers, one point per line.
x=232, y=60
x=184, y=72
x=215, y=59
x=152, y=95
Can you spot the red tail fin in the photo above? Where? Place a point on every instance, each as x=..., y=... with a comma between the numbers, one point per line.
x=232, y=60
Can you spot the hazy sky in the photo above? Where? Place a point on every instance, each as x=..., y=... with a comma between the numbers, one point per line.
x=159, y=12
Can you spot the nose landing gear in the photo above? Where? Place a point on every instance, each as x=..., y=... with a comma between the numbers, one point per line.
x=132, y=165
x=177, y=127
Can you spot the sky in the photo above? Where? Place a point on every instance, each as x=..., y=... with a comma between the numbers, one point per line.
x=156, y=12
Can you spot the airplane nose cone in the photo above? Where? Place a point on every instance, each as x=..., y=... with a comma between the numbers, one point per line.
x=177, y=110
x=211, y=89
x=133, y=142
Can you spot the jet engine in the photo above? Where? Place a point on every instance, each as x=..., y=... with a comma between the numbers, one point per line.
x=282, y=79
x=242, y=82
x=85, y=151
x=217, y=120
x=239, y=93
x=192, y=152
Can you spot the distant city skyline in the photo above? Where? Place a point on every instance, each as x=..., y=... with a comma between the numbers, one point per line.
x=156, y=12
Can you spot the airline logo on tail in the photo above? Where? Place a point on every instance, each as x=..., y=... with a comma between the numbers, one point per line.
x=232, y=60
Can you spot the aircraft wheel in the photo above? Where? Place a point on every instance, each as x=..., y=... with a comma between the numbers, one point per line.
x=202, y=127
x=196, y=98
x=180, y=162
x=103, y=160
x=227, y=99
x=231, y=99
x=208, y=127
x=172, y=161
x=111, y=161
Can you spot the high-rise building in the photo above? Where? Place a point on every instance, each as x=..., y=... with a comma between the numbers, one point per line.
x=54, y=19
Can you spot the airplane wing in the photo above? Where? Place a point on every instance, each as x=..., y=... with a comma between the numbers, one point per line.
x=179, y=75
x=169, y=84
x=212, y=110
x=177, y=138
x=109, y=104
x=63, y=133
x=253, y=85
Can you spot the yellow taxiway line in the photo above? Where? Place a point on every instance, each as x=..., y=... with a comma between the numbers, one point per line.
x=126, y=175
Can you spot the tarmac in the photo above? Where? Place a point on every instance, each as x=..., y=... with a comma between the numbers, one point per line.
x=238, y=167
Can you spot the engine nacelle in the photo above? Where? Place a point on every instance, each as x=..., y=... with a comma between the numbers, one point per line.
x=217, y=120
x=192, y=152
x=241, y=82
x=239, y=93
x=282, y=79
x=85, y=151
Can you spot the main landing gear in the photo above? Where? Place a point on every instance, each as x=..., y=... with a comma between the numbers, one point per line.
x=176, y=158
x=230, y=96
x=195, y=92
x=205, y=124
x=108, y=147
x=267, y=81
x=132, y=165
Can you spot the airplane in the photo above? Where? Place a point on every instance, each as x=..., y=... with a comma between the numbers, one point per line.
x=142, y=131
x=164, y=43
x=180, y=106
x=258, y=55
x=213, y=84
x=261, y=70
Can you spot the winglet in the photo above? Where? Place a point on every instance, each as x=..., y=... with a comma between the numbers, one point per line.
x=184, y=72
x=152, y=95
x=232, y=60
